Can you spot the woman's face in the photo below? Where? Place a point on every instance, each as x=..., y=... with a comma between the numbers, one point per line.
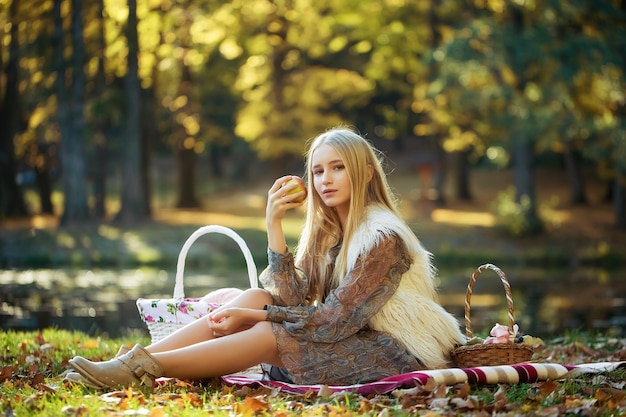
x=330, y=179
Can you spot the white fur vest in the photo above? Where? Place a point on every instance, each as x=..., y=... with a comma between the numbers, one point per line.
x=413, y=315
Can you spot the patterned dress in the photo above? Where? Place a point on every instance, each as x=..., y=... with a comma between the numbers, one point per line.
x=331, y=342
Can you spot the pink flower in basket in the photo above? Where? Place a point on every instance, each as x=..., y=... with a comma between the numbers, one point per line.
x=500, y=334
x=149, y=319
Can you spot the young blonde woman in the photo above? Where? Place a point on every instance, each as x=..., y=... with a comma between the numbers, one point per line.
x=358, y=302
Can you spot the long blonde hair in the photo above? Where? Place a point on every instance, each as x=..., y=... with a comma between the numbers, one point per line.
x=322, y=228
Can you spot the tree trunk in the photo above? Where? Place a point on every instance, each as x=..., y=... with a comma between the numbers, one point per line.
x=241, y=162
x=609, y=195
x=11, y=199
x=71, y=116
x=523, y=144
x=575, y=176
x=186, y=178
x=216, y=156
x=99, y=178
x=619, y=194
x=439, y=174
x=435, y=190
x=43, y=180
x=186, y=156
x=100, y=158
x=462, y=175
x=44, y=187
x=525, y=184
x=133, y=204
x=149, y=130
x=147, y=135
x=619, y=201
x=79, y=206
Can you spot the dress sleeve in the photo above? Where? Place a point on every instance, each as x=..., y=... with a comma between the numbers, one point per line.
x=360, y=295
x=287, y=285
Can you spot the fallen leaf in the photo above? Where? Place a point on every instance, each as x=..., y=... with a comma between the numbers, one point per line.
x=583, y=348
x=547, y=388
x=39, y=339
x=47, y=388
x=91, y=344
x=430, y=385
x=462, y=404
x=157, y=412
x=193, y=399
x=365, y=407
x=281, y=413
x=383, y=413
x=606, y=394
x=554, y=411
x=75, y=411
x=462, y=390
x=252, y=406
x=6, y=372
x=439, y=402
x=167, y=398
x=500, y=401
x=440, y=391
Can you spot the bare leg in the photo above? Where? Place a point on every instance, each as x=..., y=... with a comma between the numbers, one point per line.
x=198, y=331
x=198, y=355
x=223, y=355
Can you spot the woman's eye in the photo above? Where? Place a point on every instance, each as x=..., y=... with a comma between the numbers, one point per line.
x=339, y=167
x=317, y=172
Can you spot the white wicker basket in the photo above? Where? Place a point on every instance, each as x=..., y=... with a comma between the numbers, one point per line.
x=165, y=316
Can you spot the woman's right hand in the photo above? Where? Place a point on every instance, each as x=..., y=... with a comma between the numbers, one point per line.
x=278, y=202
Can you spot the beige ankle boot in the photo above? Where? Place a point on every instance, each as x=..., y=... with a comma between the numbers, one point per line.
x=74, y=377
x=137, y=367
x=123, y=350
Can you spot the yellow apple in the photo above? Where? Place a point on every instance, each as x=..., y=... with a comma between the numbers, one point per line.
x=300, y=187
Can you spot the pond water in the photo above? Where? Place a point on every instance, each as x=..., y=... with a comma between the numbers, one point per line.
x=548, y=302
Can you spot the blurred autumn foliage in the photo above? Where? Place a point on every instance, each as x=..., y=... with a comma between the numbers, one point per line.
x=93, y=92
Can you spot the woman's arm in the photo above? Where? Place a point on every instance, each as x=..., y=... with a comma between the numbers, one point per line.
x=360, y=295
x=280, y=278
x=288, y=285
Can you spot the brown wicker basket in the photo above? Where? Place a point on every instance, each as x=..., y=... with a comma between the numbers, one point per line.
x=470, y=356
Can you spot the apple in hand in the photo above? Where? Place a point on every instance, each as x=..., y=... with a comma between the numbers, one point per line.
x=300, y=187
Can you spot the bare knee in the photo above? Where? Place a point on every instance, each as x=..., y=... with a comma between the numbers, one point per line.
x=250, y=298
x=257, y=297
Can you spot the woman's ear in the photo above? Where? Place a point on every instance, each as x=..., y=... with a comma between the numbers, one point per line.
x=370, y=173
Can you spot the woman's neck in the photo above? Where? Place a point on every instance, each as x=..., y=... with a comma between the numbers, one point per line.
x=342, y=213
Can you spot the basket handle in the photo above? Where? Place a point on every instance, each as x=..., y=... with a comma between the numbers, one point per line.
x=179, y=292
x=468, y=296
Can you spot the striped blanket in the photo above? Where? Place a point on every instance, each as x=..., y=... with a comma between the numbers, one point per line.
x=504, y=374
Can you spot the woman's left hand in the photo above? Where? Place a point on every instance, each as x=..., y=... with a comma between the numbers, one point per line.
x=231, y=320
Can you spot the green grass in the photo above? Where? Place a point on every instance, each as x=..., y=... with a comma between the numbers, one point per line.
x=30, y=385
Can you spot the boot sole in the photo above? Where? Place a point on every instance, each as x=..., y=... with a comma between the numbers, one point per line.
x=77, y=378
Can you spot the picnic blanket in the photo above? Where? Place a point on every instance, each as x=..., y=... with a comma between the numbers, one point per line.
x=503, y=374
